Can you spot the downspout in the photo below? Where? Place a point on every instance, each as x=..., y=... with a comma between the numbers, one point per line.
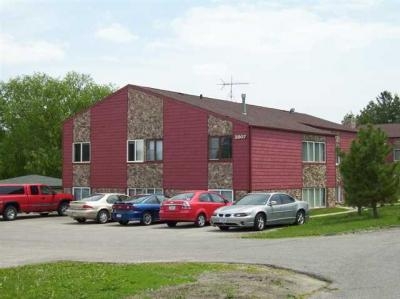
x=250, y=162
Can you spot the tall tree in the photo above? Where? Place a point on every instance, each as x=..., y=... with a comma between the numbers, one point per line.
x=367, y=176
x=32, y=109
x=386, y=109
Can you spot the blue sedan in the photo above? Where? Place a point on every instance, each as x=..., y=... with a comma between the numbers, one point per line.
x=144, y=208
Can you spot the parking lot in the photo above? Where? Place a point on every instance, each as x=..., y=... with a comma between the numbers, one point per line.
x=364, y=265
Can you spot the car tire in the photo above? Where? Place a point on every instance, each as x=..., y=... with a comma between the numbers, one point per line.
x=123, y=222
x=171, y=223
x=62, y=208
x=300, y=218
x=102, y=216
x=147, y=218
x=259, y=222
x=223, y=228
x=200, y=220
x=10, y=213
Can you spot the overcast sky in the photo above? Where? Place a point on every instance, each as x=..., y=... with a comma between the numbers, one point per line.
x=322, y=57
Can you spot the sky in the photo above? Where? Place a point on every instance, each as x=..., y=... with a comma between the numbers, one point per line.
x=322, y=57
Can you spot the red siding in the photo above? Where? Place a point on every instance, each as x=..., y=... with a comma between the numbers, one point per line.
x=185, y=147
x=108, y=138
x=276, y=160
x=330, y=162
x=241, y=157
x=67, y=153
x=345, y=140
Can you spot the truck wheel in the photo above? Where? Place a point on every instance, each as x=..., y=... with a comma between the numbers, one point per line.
x=62, y=208
x=10, y=213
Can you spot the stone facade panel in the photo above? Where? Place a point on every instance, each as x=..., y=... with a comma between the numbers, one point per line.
x=220, y=175
x=314, y=175
x=315, y=138
x=219, y=127
x=331, y=197
x=148, y=175
x=239, y=194
x=81, y=175
x=82, y=127
x=145, y=116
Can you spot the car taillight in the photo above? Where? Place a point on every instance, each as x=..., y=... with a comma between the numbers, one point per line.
x=186, y=206
x=87, y=207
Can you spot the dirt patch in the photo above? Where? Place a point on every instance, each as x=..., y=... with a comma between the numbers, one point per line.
x=244, y=282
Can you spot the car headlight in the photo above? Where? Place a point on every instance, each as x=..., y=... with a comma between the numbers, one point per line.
x=240, y=215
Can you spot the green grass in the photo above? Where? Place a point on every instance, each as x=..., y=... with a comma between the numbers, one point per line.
x=389, y=216
x=96, y=280
x=324, y=211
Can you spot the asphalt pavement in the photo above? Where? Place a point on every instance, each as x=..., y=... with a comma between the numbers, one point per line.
x=362, y=265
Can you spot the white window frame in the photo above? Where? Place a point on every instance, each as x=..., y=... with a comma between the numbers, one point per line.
x=136, y=141
x=314, y=191
x=81, y=150
x=339, y=194
x=159, y=191
x=80, y=189
x=394, y=154
x=219, y=191
x=313, y=159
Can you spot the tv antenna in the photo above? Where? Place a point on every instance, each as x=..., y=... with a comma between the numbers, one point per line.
x=223, y=84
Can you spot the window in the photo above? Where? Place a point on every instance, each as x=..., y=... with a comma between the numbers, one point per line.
x=216, y=198
x=80, y=192
x=46, y=190
x=81, y=152
x=5, y=190
x=277, y=199
x=135, y=191
x=315, y=197
x=339, y=197
x=337, y=156
x=205, y=197
x=136, y=150
x=396, y=154
x=226, y=193
x=286, y=199
x=313, y=151
x=220, y=148
x=34, y=190
x=154, y=150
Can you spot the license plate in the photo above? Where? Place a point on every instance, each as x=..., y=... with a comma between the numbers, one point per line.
x=222, y=220
x=118, y=215
x=171, y=208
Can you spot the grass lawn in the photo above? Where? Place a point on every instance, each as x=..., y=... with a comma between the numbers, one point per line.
x=96, y=280
x=324, y=211
x=389, y=216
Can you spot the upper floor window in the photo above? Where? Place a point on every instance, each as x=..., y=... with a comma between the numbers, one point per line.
x=154, y=150
x=396, y=154
x=313, y=151
x=136, y=150
x=220, y=148
x=81, y=152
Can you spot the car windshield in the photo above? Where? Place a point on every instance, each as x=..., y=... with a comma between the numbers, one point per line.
x=93, y=197
x=254, y=199
x=139, y=198
x=182, y=196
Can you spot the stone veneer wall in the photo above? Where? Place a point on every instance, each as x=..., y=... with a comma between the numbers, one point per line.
x=220, y=175
x=81, y=175
x=239, y=194
x=330, y=197
x=219, y=127
x=82, y=127
x=145, y=175
x=314, y=175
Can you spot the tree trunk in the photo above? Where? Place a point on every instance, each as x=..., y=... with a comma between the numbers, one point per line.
x=359, y=210
x=374, y=209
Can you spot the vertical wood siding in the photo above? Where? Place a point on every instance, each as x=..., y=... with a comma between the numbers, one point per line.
x=67, y=153
x=330, y=162
x=276, y=159
x=241, y=157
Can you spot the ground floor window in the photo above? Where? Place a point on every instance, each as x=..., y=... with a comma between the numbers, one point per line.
x=226, y=193
x=135, y=191
x=315, y=197
x=80, y=192
x=396, y=154
x=339, y=195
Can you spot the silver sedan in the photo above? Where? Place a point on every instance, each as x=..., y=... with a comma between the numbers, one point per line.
x=260, y=209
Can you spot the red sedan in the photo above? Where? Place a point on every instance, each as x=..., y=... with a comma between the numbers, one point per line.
x=191, y=206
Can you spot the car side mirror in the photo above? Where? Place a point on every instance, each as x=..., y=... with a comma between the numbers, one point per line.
x=272, y=202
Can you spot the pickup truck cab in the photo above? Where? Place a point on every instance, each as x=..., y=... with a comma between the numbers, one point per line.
x=31, y=198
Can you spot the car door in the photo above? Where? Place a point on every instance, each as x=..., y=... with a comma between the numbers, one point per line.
x=48, y=198
x=40, y=201
x=205, y=204
x=289, y=208
x=275, y=209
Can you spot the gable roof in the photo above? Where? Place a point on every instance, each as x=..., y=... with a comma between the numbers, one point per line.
x=34, y=179
x=392, y=130
x=257, y=116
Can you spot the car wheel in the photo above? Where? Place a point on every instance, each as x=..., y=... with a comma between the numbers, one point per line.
x=62, y=208
x=300, y=218
x=147, y=219
x=80, y=220
x=10, y=213
x=223, y=228
x=103, y=216
x=200, y=220
x=123, y=222
x=259, y=222
x=171, y=223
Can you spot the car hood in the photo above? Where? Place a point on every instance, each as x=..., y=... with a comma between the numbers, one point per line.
x=237, y=209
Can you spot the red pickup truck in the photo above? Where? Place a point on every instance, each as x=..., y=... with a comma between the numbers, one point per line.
x=28, y=198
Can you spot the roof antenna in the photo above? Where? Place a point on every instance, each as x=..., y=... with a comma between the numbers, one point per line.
x=223, y=84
